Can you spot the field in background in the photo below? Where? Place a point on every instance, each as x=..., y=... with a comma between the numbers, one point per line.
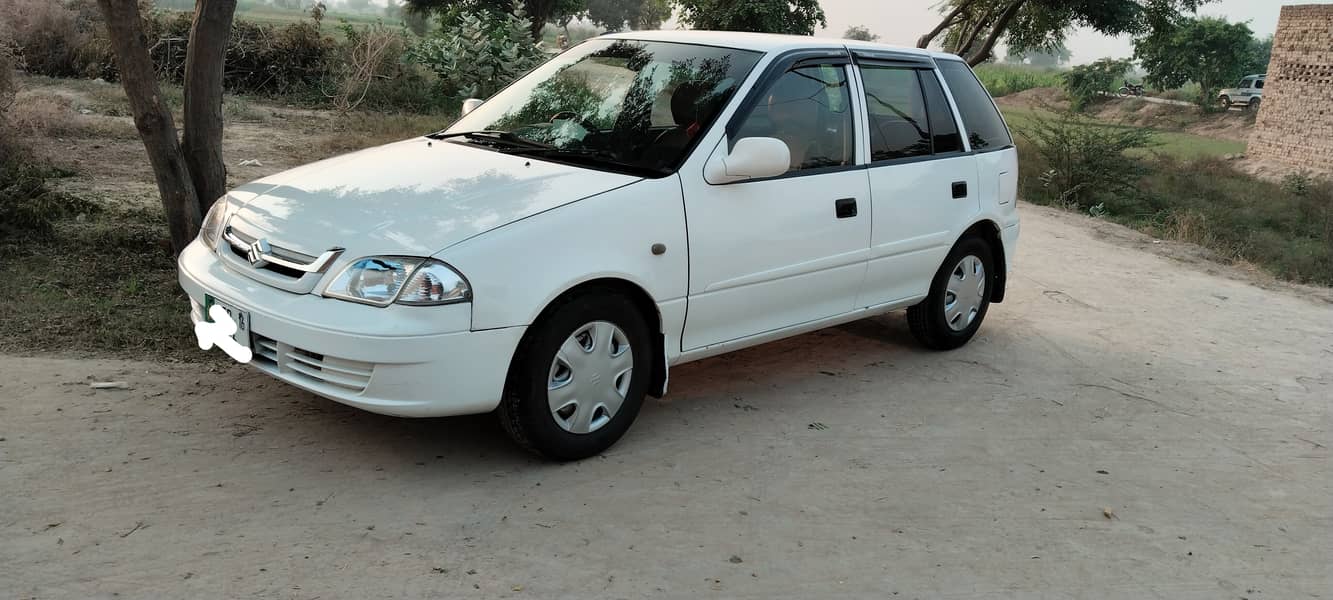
x=1003, y=79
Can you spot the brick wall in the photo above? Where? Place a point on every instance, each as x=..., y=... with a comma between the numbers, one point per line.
x=1295, y=122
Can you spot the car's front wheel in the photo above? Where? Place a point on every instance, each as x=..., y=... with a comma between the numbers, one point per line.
x=1224, y=103
x=579, y=378
x=959, y=297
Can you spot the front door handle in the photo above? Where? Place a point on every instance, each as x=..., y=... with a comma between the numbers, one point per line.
x=845, y=208
x=959, y=189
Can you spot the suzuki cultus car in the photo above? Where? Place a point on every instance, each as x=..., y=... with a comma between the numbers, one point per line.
x=639, y=201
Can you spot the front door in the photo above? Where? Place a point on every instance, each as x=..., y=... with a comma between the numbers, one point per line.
x=770, y=254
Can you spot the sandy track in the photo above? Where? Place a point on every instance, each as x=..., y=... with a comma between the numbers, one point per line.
x=1192, y=406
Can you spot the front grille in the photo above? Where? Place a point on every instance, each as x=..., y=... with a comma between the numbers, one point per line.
x=279, y=266
x=288, y=360
x=241, y=251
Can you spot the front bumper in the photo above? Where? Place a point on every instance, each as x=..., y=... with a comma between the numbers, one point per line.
x=405, y=361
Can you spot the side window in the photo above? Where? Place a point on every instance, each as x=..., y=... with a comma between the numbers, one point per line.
x=942, y=124
x=899, y=126
x=985, y=129
x=808, y=108
x=1259, y=84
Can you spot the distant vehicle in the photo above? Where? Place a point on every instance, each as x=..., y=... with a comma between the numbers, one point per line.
x=1247, y=94
x=1130, y=89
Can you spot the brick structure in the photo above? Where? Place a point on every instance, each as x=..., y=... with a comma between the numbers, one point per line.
x=1295, y=122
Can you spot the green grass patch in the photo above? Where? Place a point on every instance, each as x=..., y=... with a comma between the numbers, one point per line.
x=105, y=283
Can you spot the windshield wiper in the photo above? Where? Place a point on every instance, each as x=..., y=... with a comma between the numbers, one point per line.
x=491, y=136
x=586, y=156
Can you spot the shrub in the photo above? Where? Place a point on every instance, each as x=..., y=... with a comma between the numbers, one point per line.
x=367, y=57
x=1083, y=161
x=474, y=55
x=46, y=35
x=260, y=58
x=1087, y=83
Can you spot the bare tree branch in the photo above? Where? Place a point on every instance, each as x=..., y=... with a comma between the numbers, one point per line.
x=946, y=23
x=997, y=30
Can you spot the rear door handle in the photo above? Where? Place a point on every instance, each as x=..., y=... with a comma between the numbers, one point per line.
x=959, y=189
x=845, y=208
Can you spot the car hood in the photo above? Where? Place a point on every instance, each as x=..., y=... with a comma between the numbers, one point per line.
x=414, y=197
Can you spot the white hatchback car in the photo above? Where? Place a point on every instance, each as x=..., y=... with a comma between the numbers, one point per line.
x=640, y=201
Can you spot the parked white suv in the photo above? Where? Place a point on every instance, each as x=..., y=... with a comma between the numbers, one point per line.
x=1247, y=94
x=640, y=201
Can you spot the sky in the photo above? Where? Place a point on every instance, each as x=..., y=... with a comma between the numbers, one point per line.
x=901, y=22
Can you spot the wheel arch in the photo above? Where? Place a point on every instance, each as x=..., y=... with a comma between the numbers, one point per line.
x=989, y=231
x=641, y=300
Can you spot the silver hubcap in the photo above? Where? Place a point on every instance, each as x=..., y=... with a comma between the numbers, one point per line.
x=965, y=293
x=589, y=378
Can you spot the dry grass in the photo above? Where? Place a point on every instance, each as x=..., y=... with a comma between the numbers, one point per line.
x=363, y=130
x=43, y=114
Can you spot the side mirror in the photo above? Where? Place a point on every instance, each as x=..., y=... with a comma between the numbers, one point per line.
x=750, y=158
x=470, y=105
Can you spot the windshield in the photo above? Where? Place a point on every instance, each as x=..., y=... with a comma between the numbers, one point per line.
x=616, y=104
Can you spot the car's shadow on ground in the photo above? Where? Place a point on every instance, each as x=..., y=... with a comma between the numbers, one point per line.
x=478, y=441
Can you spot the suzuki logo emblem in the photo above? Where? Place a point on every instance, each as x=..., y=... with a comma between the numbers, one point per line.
x=257, y=251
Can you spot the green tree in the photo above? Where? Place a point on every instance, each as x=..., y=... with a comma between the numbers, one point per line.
x=1086, y=83
x=618, y=15
x=799, y=17
x=1261, y=52
x=859, y=32
x=972, y=28
x=1208, y=51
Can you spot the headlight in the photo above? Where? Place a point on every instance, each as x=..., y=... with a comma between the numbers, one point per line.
x=212, y=225
x=380, y=280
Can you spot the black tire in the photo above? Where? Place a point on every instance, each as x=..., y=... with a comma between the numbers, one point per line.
x=927, y=320
x=524, y=411
x=1123, y=92
x=1253, y=106
x=1224, y=103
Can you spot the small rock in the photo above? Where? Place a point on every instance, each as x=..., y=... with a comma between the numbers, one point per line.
x=735, y=560
x=84, y=111
x=250, y=162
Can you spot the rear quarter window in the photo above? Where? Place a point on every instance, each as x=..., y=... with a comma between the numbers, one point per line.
x=985, y=129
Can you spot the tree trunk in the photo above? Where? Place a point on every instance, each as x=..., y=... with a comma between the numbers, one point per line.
x=969, y=37
x=924, y=41
x=202, y=140
x=1000, y=26
x=538, y=12
x=153, y=120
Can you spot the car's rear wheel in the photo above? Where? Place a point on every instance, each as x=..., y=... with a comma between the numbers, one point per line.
x=579, y=378
x=1253, y=106
x=959, y=297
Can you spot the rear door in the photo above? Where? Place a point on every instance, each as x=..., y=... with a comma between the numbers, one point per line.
x=923, y=181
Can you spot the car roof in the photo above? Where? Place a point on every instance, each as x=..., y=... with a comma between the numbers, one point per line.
x=765, y=42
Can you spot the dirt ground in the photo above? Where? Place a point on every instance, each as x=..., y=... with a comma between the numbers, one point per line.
x=1127, y=424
